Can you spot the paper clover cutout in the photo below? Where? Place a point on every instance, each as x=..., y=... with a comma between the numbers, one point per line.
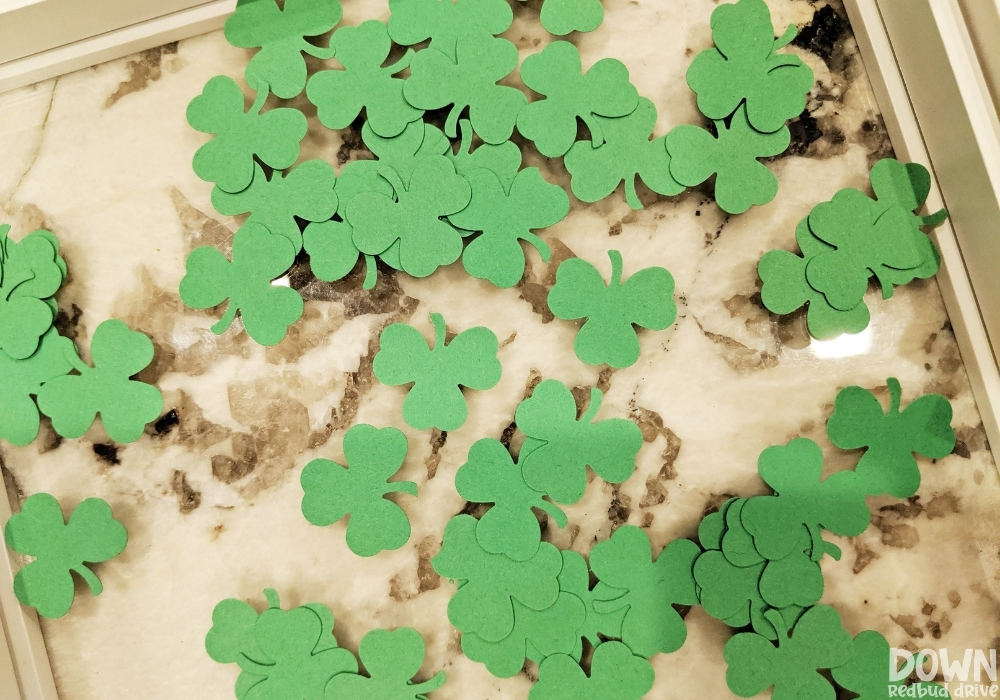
x=597, y=626
x=906, y=185
x=795, y=580
x=731, y=593
x=29, y=275
x=615, y=673
x=561, y=17
x=867, y=671
x=503, y=159
x=403, y=153
x=22, y=379
x=392, y=658
x=444, y=22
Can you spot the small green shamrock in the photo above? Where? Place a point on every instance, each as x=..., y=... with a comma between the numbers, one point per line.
x=228, y=159
x=404, y=152
x=561, y=17
x=30, y=273
x=435, y=400
x=570, y=94
x=562, y=447
x=503, y=159
x=888, y=465
x=741, y=180
x=627, y=153
x=92, y=535
x=614, y=673
x=340, y=95
x=280, y=33
x=333, y=491
x=392, y=658
x=469, y=80
x=744, y=66
x=906, y=185
x=126, y=405
x=649, y=587
x=795, y=580
x=737, y=542
x=445, y=21
x=713, y=526
x=729, y=592
x=258, y=257
x=597, y=626
x=21, y=379
x=484, y=604
x=867, y=672
x=608, y=335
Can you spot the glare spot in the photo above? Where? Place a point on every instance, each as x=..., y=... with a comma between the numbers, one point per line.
x=844, y=345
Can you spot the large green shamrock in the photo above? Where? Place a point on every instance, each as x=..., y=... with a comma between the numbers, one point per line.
x=626, y=153
x=484, y=604
x=867, y=672
x=614, y=673
x=503, y=160
x=30, y=273
x=392, y=658
x=555, y=458
x=92, y=535
x=608, y=336
x=126, y=405
x=258, y=257
x=741, y=180
x=649, y=587
x=340, y=95
x=435, y=399
x=21, y=379
x=560, y=17
x=888, y=465
x=575, y=578
x=333, y=491
x=228, y=159
x=571, y=94
x=445, y=21
x=469, y=80
x=280, y=33
x=744, y=66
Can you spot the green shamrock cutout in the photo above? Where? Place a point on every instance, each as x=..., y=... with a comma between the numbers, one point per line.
x=503, y=159
x=741, y=180
x=627, y=153
x=745, y=67
x=729, y=592
x=906, y=185
x=258, y=257
x=280, y=33
x=570, y=94
x=484, y=604
x=795, y=580
x=867, y=672
x=228, y=159
x=818, y=642
x=469, y=80
x=555, y=458
x=392, y=658
x=510, y=526
x=435, y=400
x=333, y=491
x=404, y=152
x=23, y=319
x=737, y=542
x=713, y=526
x=561, y=17
x=649, y=587
x=73, y=401
x=31, y=271
x=307, y=192
x=575, y=578
x=614, y=673
x=340, y=95
x=444, y=22
x=92, y=535
x=22, y=379
x=888, y=465
x=608, y=336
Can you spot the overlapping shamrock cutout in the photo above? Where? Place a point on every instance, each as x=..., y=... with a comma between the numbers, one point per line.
x=22, y=379
x=31, y=271
x=615, y=673
x=444, y=23
x=391, y=658
x=561, y=17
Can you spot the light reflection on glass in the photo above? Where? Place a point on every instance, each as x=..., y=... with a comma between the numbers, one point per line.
x=844, y=345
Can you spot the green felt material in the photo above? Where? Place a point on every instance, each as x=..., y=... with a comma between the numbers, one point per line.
x=745, y=67
x=608, y=336
x=469, y=80
x=561, y=17
x=404, y=152
x=627, y=153
x=333, y=491
x=614, y=673
x=570, y=94
x=22, y=379
x=340, y=95
x=575, y=578
x=713, y=526
x=737, y=542
x=228, y=159
x=888, y=465
x=503, y=159
x=445, y=21
x=558, y=466
x=741, y=179
x=484, y=605
x=232, y=634
x=280, y=32
x=653, y=587
x=60, y=548
x=867, y=671
x=392, y=658
x=258, y=257
x=31, y=271
x=435, y=400
x=729, y=592
x=794, y=580
x=509, y=527
x=73, y=401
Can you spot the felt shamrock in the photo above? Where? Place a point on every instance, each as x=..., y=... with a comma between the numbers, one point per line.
x=794, y=580
x=575, y=578
x=279, y=33
x=741, y=180
x=555, y=459
x=614, y=673
x=435, y=399
x=469, y=80
x=906, y=185
x=258, y=257
x=22, y=379
x=713, y=526
x=649, y=587
x=503, y=160
x=340, y=95
x=92, y=535
x=484, y=603
x=745, y=67
x=333, y=491
x=404, y=152
x=445, y=21
x=737, y=542
x=627, y=153
x=888, y=465
x=30, y=273
x=570, y=94
x=608, y=336
x=560, y=17
x=73, y=401
x=228, y=159
x=392, y=658
x=867, y=672
x=729, y=592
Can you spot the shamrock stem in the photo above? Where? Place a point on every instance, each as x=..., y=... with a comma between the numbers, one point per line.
x=934, y=219
x=596, y=132
x=262, y=92
x=427, y=686
x=16, y=279
x=371, y=272
x=778, y=622
x=785, y=39
x=895, y=391
x=886, y=285
x=272, y=598
x=616, y=268
x=392, y=177
x=227, y=319
x=452, y=121
x=553, y=511
x=818, y=543
x=401, y=63
x=318, y=51
x=439, y=330
x=73, y=357
x=96, y=587
x=594, y=407
x=401, y=487
x=465, y=127
x=630, y=196
x=541, y=246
